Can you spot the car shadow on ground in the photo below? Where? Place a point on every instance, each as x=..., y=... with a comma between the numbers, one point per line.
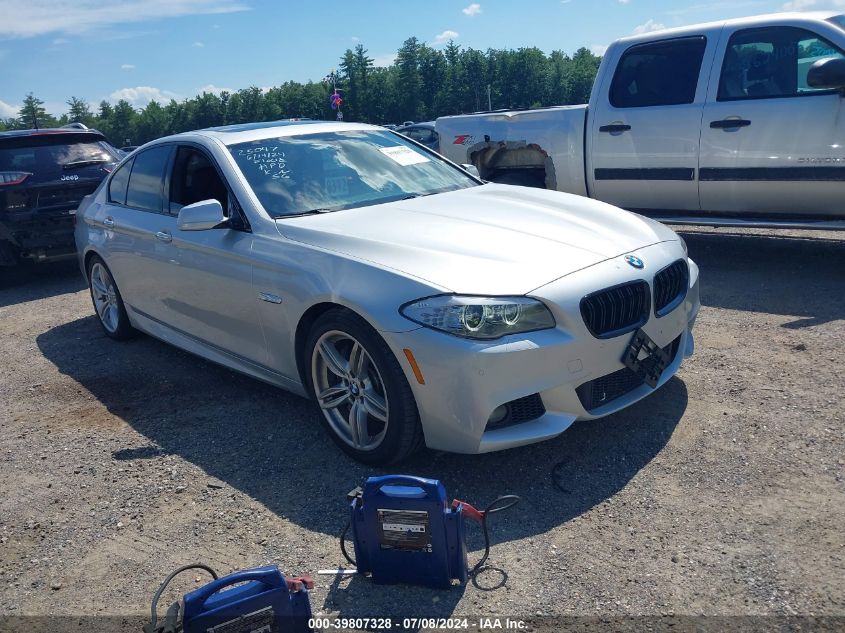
x=24, y=283
x=270, y=445
x=772, y=274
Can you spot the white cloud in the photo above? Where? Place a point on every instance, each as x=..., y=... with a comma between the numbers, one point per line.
x=648, y=27
x=565, y=1
x=445, y=36
x=28, y=18
x=127, y=66
x=804, y=5
x=598, y=49
x=214, y=89
x=142, y=95
x=60, y=41
x=473, y=9
x=355, y=38
x=198, y=45
x=624, y=1
x=387, y=59
x=7, y=110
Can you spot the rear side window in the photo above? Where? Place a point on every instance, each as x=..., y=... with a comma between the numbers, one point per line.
x=49, y=156
x=146, y=182
x=772, y=62
x=659, y=73
x=118, y=183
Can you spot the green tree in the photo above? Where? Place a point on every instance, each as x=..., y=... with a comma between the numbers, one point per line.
x=123, y=123
x=79, y=111
x=33, y=115
x=409, y=82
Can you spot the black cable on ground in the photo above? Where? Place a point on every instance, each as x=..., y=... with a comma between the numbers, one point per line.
x=502, y=503
x=346, y=555
x=163, y=586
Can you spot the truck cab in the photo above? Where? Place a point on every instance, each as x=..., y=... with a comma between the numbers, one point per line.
x=696, y=124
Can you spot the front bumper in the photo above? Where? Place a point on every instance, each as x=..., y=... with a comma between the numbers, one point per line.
x=465, y=381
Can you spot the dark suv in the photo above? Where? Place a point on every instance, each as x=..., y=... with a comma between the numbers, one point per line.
x=44, y=174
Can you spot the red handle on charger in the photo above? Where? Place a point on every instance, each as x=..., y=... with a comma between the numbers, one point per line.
x=468, y=509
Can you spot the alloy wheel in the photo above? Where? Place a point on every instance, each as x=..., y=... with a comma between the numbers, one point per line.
x=350, y=390
x=104, y=293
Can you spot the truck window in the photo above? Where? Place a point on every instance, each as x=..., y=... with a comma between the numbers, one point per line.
x=658, y=73
x=772, y=62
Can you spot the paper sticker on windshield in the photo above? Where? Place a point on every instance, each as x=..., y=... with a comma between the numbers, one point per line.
x=403, y=155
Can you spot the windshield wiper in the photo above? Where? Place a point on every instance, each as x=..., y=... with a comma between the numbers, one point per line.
x=312, y=212
x=85, y=163
x=419, y=195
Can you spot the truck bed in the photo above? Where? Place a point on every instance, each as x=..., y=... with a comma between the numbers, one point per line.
x=548, y=142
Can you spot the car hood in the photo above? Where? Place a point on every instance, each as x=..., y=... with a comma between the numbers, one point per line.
x=492, y=239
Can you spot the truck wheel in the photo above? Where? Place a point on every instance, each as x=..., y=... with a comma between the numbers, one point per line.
x=108, y=304
x=367, y=405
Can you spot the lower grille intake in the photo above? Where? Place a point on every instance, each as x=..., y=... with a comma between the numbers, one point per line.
x=605, y=389
x=518, y=411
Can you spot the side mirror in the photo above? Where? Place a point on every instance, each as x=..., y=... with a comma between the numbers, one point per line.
x=827, y=73
x=200, y=216
x=471, y=169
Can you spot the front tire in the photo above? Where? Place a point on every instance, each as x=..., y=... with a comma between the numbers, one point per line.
x=108, y=304
x=367, y=405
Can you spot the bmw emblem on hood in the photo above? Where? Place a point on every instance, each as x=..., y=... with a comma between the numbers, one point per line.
x=634, y=261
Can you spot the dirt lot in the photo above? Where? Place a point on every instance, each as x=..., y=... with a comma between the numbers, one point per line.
x=722, y=494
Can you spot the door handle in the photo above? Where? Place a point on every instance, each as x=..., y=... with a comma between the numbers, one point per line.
x=727, y=124
x=108, y=222
x=164, y=236
x=615, y=127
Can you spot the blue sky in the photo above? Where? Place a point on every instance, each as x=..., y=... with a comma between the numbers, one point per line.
x=143, y=49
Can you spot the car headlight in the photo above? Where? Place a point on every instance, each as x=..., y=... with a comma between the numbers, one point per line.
x=479, y=317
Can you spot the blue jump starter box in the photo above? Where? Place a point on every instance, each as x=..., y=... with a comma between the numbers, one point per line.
x=404, y=532
x=265, y=601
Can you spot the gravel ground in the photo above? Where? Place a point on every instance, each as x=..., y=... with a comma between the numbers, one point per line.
x=721, y=494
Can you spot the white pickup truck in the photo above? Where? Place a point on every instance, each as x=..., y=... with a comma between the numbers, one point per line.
x=735, y=122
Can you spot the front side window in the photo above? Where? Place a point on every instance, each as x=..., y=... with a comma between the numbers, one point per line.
x=146, y=182
x=659, y=73
x=772, y=62
x=195, y=179
x=331, y=171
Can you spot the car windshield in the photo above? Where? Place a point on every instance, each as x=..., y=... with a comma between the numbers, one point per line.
x=330, y=171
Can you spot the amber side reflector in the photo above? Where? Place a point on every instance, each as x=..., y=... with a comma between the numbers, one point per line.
x=413, y=361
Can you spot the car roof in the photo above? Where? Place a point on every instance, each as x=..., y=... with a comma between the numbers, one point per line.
x=246, y=132
x=47, y=131
x=750, y=22
x=428, y=124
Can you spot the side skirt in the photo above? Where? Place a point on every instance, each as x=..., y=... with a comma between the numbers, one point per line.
x=184, y=341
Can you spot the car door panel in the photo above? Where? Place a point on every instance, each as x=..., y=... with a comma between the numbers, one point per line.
x=769, y=145
x=211, y=296
x=139, y=260
x=644, y=131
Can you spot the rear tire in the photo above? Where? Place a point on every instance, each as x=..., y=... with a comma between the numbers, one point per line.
x=108, y=304
x=366, y=403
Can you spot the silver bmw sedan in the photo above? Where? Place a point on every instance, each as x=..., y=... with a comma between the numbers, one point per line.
x=413, y=302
